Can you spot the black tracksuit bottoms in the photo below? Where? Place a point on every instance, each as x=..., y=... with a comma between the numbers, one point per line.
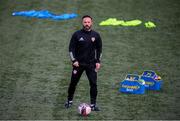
x=92, y=77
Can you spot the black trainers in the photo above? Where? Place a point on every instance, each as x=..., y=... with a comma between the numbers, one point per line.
x=94, y=107
x=68, y=104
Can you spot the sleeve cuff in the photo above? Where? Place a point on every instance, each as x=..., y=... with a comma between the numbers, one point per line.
x=98, y=61
x=74, y=61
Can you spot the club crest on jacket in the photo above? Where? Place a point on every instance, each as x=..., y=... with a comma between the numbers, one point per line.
x=92, y=39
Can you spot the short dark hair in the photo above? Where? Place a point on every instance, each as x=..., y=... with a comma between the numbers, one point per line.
x=86, y=16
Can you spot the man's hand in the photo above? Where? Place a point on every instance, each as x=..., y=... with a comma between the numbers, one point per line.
x=76, y=64
x=98, y=65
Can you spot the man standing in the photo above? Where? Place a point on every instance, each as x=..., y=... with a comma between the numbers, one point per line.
x=85, y=51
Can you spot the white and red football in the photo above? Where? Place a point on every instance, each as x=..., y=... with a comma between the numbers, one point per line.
x=84, y=109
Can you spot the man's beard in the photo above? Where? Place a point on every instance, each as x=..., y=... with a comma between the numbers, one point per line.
x=87, y=28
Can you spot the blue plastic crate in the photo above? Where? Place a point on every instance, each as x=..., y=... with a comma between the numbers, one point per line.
x=132, y=84
x=151, y=82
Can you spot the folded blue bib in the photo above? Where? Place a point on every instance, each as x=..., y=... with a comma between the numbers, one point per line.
x=45, y=14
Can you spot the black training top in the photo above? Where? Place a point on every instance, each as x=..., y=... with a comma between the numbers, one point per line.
x=85, y=47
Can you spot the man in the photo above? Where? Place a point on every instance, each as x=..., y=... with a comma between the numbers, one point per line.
x=85, y=51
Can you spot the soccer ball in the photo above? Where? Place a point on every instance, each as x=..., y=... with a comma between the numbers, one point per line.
x=84, y=109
